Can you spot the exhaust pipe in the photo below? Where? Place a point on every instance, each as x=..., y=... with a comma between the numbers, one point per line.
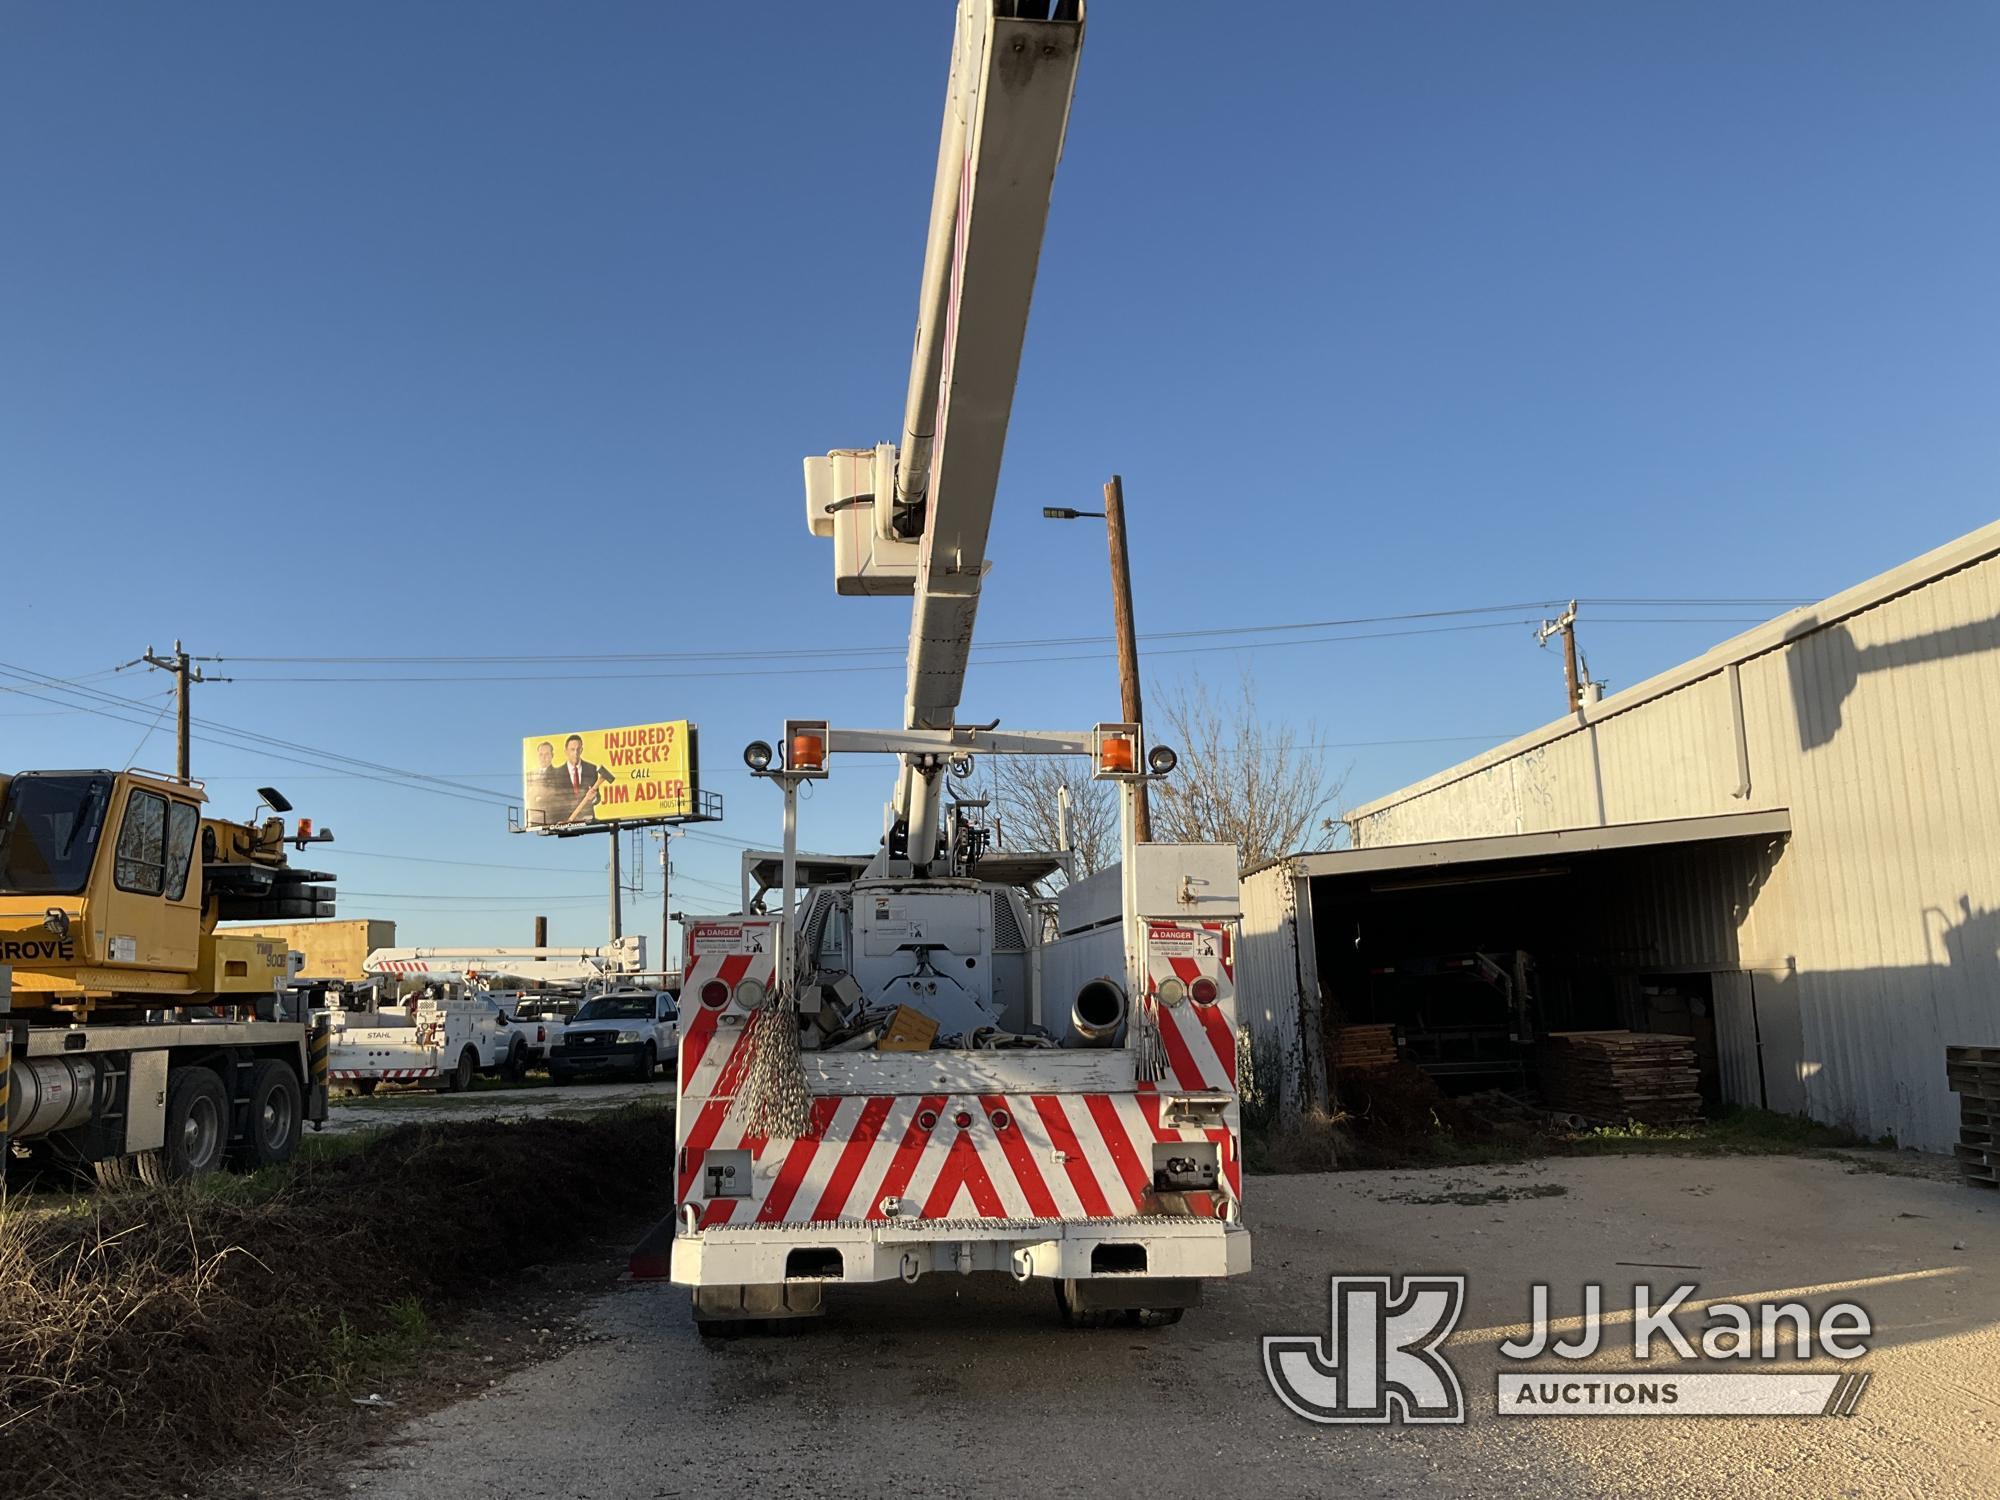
x=1098, y=1014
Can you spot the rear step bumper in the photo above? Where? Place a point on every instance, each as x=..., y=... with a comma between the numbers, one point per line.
x=861, y=1251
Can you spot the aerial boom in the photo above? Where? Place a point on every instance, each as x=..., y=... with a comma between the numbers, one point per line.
x=915, y=519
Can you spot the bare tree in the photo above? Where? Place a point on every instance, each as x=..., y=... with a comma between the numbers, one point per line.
x=1025, y=791
x=1263, y=787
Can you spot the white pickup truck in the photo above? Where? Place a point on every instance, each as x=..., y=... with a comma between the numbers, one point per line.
x=620, y=1033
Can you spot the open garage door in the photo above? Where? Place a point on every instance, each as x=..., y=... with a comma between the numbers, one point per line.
x=1475, y=949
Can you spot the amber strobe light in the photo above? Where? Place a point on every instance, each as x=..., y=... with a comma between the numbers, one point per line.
x=805, y=747
x=1114, y=751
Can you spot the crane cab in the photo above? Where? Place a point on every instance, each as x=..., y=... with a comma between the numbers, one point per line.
x=111, y=883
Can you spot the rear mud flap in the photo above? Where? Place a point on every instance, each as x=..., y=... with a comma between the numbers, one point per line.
x=1092, y=1294
x=716, y=1304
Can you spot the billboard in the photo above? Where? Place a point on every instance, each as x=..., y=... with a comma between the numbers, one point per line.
x=609, y=775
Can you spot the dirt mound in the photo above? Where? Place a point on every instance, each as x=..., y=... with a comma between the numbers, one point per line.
x=148, y=1336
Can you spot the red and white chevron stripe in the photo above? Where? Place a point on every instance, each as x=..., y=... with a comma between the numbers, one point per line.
x=1018, y=1154
x=730, y=953
x=1200, y=1039
x=393, y=1075
x=952, y=1156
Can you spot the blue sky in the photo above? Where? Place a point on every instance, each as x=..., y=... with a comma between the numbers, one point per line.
x=500, y=329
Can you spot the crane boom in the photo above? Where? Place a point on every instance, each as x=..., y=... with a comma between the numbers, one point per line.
x=914, y=519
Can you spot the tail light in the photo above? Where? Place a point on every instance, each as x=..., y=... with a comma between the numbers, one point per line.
x=715, y=994
x=1204, y=991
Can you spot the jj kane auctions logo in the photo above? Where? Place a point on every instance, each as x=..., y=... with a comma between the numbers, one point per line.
x=1383, y=1359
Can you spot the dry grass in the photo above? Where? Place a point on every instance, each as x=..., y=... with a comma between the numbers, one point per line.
x=150, y=1337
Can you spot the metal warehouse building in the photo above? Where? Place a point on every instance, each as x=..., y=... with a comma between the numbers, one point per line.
x=1788, y=849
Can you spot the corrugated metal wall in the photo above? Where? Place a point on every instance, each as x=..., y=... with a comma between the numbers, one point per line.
x=1880, y=925
x=1277, y=990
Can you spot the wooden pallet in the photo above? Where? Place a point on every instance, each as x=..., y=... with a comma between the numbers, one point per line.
x=1974, y=1075
x=1371, y=1046
x=1615, y=1076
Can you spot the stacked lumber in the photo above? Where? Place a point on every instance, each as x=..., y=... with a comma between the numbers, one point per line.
x=1615, y=1076
x=1364, y=1047
x=1974, y=1075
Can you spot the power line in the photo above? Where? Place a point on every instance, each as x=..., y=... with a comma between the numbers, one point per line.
x=820, y=671
x=96, y=702
x=461, y=679
x=821, y=653
x=492, y=897
x=467, y=864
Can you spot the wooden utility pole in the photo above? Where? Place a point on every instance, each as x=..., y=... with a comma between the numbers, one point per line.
x=1128, y=640
x=185, y=676
x=1566, y=628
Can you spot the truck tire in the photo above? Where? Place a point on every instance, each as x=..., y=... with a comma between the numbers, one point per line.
x=649, y=1064
x=271, y=1132
x=459, y=1079
x=1076, y=1317
x=516, y=1068
x=197, y=1127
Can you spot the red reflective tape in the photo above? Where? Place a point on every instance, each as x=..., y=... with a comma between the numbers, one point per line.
x=797, y=1161
x=1041, y=1202
x=1063, y=1139
x=734, y=968
x=1186, y=970
x=903, y=1166
x=694, y=1042
x=1220, y=1037
x=963, y=1169
x=853, y=1157
x=1187, y=1072
x=700, y=1138
x=718, y=1211
x=1105, y=1113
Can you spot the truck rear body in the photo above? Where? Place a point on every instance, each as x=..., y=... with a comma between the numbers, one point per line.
x=1040, y=1161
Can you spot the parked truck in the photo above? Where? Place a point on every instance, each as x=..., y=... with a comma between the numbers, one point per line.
x=625, y=1031
x=134, y=1034
x=918, y=1064
x=434, y=1029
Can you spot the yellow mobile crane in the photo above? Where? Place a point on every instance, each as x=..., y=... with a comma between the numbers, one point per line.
x=133, y=1033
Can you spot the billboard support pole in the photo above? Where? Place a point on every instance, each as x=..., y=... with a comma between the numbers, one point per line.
x=617, y=894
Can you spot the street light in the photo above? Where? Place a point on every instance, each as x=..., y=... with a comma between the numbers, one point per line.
x=1113, y=516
